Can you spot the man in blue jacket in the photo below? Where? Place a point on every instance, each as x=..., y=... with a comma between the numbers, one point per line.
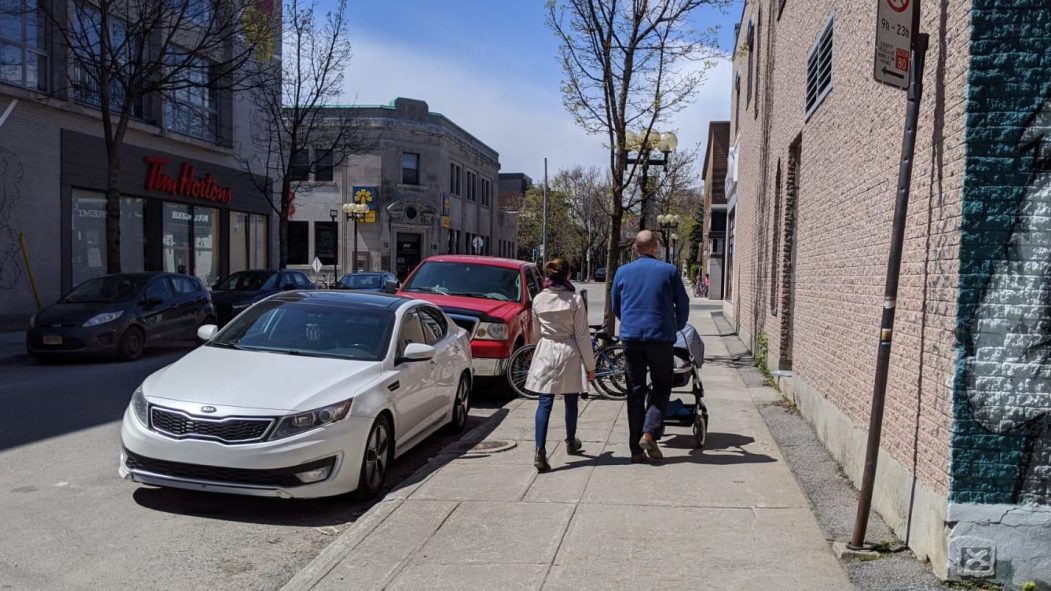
x=650, y=301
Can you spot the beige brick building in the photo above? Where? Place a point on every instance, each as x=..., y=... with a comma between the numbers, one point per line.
x=815, y=145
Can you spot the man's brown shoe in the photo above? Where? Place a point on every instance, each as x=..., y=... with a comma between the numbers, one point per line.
x=649, y=444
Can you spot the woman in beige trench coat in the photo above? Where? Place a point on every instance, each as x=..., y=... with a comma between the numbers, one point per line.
x=563, y=357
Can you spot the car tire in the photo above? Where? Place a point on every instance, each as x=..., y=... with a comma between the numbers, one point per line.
x=461, y=407
x=376, y=460
x=132, y=343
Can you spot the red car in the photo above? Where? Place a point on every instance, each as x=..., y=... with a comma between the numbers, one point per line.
x=489, y=297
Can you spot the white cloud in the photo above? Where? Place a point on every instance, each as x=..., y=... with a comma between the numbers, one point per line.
x=509, y=110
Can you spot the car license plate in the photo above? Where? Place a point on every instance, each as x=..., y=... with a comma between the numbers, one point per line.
x=52, y=339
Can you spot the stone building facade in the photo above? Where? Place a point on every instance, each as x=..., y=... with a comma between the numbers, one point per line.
x=713, y=253
x=965, y=469
x=431, y=187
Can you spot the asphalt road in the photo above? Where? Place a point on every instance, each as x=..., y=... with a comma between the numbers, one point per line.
x=69, y=522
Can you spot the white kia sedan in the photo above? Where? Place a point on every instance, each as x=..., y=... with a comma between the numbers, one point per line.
x=305, y=394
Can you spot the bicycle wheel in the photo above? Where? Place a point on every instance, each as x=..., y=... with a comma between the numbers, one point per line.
x=518, y=370
x=610, y=372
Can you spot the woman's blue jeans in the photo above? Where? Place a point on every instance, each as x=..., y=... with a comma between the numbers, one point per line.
x=543, y=416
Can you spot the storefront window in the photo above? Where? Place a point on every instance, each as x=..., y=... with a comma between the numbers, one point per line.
x=206, y=244
x=175, y=238
x=325, y=244
x=89, y=236
x=238, y=241
x=258, y=240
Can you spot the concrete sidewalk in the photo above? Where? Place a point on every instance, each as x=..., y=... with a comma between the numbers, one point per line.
x=732, y=517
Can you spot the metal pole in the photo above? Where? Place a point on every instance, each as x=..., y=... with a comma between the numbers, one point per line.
x=645, y=188
x=545, y=254
x=354, y=262
x=25, y=256
x=879, y=390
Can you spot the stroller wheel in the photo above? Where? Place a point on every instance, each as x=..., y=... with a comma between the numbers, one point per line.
x=700, y=430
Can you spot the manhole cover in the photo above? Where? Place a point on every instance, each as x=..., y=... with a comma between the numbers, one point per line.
x=488, y=446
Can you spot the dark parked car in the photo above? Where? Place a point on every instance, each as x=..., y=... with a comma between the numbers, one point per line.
x=600, y=274
x=121, y=315
x=244, y=288
x=370, y=281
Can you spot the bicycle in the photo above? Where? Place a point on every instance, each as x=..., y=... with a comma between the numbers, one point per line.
x=610, y=373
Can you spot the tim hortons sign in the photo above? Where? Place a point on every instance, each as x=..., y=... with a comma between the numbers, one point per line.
x=187, y=185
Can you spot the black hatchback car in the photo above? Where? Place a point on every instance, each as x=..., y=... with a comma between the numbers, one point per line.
x=120, y=315
x=244, y=288
x=383, y=281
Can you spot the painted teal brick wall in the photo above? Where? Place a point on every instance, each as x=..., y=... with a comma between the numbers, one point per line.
x=1002, y=392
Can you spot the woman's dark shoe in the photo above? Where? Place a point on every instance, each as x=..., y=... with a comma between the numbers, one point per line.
x=574, y=446
x=540, y=460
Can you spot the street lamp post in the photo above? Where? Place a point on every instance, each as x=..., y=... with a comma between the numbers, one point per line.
x=333, y=214
x=355, y=211
x=668, y=223
x=643, y=143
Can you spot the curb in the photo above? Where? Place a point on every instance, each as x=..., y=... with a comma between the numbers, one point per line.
x=316, y=570
x=14, y=359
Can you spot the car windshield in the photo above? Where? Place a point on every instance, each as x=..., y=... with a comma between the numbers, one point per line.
x=362, y=281
x=249, y=281
x=311, y=329
x=109, y=289
x=468, y=279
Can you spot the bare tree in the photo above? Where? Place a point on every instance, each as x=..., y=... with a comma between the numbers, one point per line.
x=628, y=64
x=587, y=192
x=131, y=57
x=299, y=105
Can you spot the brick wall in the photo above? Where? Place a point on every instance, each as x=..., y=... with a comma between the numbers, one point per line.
x=818, y=279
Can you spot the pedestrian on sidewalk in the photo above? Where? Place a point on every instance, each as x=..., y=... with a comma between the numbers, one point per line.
x=707, y=284
x=563, y=357
x=652, y=305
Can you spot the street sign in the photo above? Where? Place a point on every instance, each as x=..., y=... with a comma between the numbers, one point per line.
x=316, y=265
x=894, y=42
x=477, y=243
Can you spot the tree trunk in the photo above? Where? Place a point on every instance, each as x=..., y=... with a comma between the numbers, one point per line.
x=282, y=227
x=112, y=209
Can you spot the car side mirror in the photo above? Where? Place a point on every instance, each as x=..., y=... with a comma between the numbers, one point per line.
x=206, y=331
x=390, y=286
x=417, y=352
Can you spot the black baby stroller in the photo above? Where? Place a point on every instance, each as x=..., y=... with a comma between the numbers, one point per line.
x=689, y=357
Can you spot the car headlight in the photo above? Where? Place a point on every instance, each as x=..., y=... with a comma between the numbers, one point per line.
x=139, y=407
x=103, y=318
x=492, y=331
x=305, y=421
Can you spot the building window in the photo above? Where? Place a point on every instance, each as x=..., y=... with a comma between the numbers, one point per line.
x=89, y=236
x=487, y=191
x=300, y=170
x=88, y=63
x=454, y=178
x=193, y=109
x=248, y=240
x=23, y=44
x=410, y=168
x=323, y=166
x=206, y=244
x=472, y=186
x=326, y=243
x=751, y=63
x=298, y=243
x=819, y=70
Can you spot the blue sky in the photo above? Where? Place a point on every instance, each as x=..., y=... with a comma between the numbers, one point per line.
x=491, y=66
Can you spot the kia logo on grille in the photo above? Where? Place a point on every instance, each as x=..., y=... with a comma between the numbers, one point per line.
x=208, y=409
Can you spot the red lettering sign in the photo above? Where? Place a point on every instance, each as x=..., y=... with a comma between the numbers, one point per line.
x=187, y=185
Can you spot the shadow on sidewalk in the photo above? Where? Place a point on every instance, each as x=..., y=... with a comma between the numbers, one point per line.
x=716, y=442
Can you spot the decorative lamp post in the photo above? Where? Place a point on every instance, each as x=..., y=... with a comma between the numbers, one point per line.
x=675, y=250
x=356, y=212
x=668, y=223
x=643, y=144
